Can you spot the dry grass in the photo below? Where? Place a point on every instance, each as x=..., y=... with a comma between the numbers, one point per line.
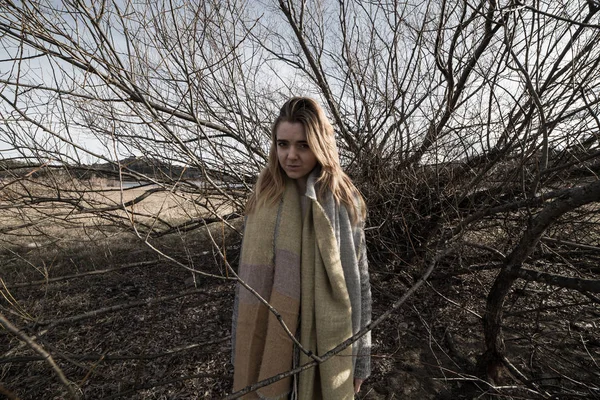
x=39, y=212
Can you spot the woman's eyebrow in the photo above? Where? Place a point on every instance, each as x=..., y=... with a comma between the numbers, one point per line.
x=288, y=141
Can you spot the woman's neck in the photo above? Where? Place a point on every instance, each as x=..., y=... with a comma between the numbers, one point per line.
x=301, y=185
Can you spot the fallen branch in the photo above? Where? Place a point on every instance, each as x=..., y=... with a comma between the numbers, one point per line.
x=83, y=274
x=113, y=357
x=579, y=284
x=38, y=349
x=119, y=307
x=570, y=244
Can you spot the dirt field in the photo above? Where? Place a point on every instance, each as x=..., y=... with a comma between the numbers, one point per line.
x=175, y=348
x=122, y=321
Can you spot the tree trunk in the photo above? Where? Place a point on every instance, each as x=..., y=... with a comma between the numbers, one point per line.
x=490, y=364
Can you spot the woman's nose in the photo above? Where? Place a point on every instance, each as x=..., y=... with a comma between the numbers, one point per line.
x=293, y=154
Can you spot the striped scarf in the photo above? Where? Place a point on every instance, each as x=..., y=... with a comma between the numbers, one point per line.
x=285, y=254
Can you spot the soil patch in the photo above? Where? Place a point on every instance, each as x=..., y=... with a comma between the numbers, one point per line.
x=124, y=322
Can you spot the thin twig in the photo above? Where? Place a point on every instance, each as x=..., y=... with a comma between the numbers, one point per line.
x=350, y=340
x=272, y=309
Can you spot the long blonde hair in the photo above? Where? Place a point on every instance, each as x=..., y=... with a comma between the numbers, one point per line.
x=321, y=140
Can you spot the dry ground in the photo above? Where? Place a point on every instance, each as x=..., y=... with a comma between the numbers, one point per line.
x=123, y=322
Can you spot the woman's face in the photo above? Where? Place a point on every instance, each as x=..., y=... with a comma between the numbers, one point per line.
x=294, y=155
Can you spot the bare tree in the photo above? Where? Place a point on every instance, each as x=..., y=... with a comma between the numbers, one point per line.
x=469, y=125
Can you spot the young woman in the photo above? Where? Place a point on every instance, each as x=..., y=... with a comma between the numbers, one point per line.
x=304, y=252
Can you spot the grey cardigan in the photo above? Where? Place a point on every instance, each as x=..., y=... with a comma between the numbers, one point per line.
x=353, y=252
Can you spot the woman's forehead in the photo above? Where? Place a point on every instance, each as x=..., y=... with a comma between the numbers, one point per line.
x=290, y=131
